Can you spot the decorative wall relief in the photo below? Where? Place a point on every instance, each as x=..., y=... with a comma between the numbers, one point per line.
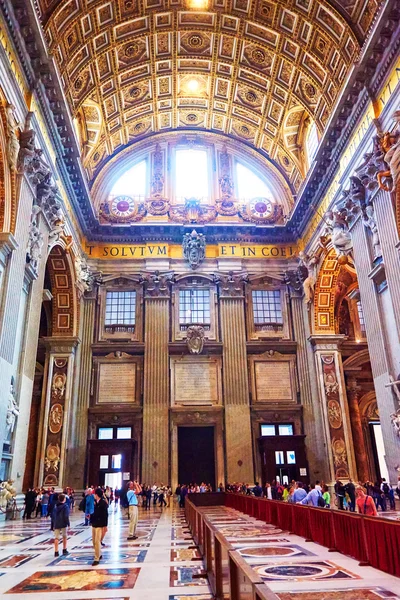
x=52, y=458
x=195, y=339
x=335, y=417
x=194, y=248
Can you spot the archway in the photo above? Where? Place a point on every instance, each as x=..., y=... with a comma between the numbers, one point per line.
x=49, y=417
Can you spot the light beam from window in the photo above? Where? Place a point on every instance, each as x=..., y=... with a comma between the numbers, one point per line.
x=250, y=185
x=132, y=182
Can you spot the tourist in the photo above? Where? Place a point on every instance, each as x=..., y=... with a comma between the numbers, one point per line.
x=30, y=499
x=257, y=490
x=340, y=494
x=365, y=504
x=268, y=491
x=169, y=494
x=161, y=498
x=350, y=490
x=38, y=503
x=312, y=497
x=155, y=495
x=53, y=499
x=45, y=503
x=60, y=523
x=98, y=521
x=148, y=493
x=222, y=489
x=326, y=496
x=318, y=486
x=131, y=496
x=285, y=495
x=89, y=505
x=182, y=496
x=299, y=493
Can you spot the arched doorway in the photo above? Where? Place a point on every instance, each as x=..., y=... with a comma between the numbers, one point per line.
x=50, y=410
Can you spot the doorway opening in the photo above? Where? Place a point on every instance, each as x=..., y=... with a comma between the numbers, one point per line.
x=196, y=455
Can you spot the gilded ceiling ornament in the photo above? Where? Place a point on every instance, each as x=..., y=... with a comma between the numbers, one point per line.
x=122, y=209
x=261, y=210
x=194, y=248
x=195, y=339
x=193, y=211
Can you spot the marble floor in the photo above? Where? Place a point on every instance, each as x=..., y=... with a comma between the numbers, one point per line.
x=164, y=563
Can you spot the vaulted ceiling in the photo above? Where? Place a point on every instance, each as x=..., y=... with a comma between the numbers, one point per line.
x=256, y=70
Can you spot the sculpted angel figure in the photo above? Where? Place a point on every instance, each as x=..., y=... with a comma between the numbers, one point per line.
x=391, y=146
x=369, y=221
x=12, y=411
x=310, y=263
x=338, y=230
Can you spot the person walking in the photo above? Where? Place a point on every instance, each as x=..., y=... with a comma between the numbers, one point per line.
x=89, y=506
x=326, y=496
x=30, y=499
x=340, y=493
x=312, y=497
x=60, y=524
x=98, y=521
x=350, y=489
x=131, y=496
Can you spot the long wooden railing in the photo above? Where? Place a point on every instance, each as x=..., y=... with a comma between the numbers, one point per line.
x=370, y=540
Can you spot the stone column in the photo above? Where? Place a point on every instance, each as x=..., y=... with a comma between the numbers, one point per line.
x=383, y=364
x=27, y=360
x=77, y=442
x=317, y=455
x=238, y=440
x=155, y=449
x=357, y=429
x=389, y=239
x=13, y=281
x=332, y=393
x=55, y=412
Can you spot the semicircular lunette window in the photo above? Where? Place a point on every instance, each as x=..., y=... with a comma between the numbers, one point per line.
x=250, y=185
x=126, y=195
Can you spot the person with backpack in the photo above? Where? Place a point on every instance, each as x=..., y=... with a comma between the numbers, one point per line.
x=89, y=506
x=313, y=498
x=60, y=524
x=365, y=504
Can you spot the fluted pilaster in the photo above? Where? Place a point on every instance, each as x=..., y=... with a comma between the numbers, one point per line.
x=379, y=350
x=389, y=238
x=312, y=418
x=356, y=427
x=81, y=394
x=155, y=465
x=239, y=454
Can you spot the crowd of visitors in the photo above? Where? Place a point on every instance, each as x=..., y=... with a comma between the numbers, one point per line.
x=366, y=497
x=40, y=502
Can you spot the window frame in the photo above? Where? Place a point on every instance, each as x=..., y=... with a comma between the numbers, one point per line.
x=268, y=330
x=129, y=334
x=199, y=283
x=115, y=432
x=276, y=426
x=208, y=149
x=120, y=324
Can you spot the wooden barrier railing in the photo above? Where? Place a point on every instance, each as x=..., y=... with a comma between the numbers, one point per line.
x=370, y=540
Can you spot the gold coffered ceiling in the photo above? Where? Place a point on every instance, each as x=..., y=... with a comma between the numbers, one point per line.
x=252, y=69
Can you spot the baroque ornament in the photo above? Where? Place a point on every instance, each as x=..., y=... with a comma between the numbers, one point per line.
x=194, y=248
x=12, y=411
x=193, y=211
x=12, y=139
x=308, y=268
x=195, y=339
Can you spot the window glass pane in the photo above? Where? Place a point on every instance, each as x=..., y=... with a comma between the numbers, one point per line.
x=191, y=174
x=250, y=185
x=279, y=458
x=267, y=306
x=116, y=461
x=285, y=429
x=132, y=182
x=361, y=316
x=104, y=461
x=124, y=433
x=267, y=429
x=120, y=308
x=194, y=307
x=312, y=142
x=291, y=457
x=105, y=433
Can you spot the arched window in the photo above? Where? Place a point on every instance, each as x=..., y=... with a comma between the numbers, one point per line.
x=133, y=182
x=250, y=185
x=191, y=171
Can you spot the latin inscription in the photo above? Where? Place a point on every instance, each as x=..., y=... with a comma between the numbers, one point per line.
x=273, y=381
x=117, y=383
x=196, y=382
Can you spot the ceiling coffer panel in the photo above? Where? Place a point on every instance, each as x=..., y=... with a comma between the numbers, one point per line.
x=236, y=66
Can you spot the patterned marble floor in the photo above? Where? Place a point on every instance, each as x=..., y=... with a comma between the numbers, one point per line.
x=298, y=570
x=164, y=562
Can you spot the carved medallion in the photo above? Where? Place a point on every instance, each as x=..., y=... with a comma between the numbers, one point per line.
x=334, y=414
x=56, y=418
x=339, y=451
x=52, y=458
x=58, y=385
x=194, y=248
x=195, y=339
